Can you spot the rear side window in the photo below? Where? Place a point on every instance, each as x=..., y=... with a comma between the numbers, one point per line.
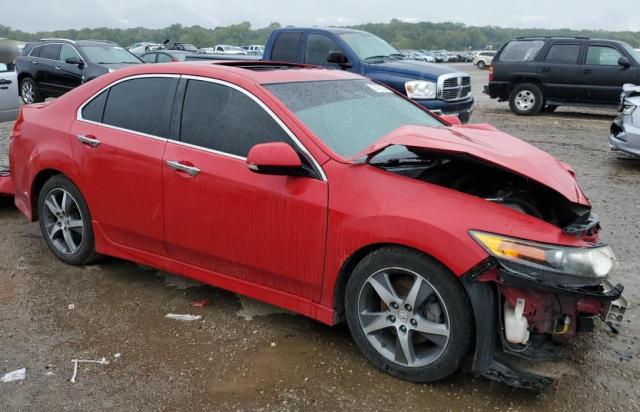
x=164, y=58
x=141, y=105
x=603, y=56
x=318, y=47
x=95, y=108
x=220, y=118
x=50, y=51
x=521, y=50
x=285, y=48
x=36, y=51
x=563, y=54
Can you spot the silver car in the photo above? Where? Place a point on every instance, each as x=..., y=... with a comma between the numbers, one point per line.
x=625, y=130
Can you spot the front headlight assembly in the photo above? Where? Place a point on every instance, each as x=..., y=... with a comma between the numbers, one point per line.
x=420, y=89
x=572, y=266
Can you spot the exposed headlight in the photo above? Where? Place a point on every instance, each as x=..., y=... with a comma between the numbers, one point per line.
x=420, y=89
x=628, y=110
x=539, y=259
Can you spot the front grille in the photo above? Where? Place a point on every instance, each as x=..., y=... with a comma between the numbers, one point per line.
x=455, y=87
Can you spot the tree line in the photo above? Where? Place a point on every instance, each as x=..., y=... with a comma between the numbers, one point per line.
x=403, y=35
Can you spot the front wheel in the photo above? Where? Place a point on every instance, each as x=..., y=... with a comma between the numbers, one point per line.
x=526, y=99
x=65, y=221
x=481, y=65
x=408, y=315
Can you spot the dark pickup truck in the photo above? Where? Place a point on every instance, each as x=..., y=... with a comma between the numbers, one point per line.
x=441, y=89
x=541, y=73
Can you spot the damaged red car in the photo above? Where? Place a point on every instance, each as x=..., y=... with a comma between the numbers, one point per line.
x=443, y=246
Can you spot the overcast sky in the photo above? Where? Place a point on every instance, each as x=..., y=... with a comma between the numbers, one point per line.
x=36, y=15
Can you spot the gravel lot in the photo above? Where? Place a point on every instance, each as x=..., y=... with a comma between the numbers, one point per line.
x=246, y=355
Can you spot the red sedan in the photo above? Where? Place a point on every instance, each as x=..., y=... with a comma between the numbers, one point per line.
x=327, y=194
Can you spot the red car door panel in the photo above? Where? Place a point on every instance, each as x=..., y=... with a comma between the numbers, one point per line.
x=122, y=184
x=265, y=229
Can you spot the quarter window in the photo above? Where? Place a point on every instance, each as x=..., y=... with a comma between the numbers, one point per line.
x=318, y=47
x=285, y=48
x=563, y=54
x=95, y=108
x=521, y=50
x=603, y=56
x=221, y=118
x=141, y=105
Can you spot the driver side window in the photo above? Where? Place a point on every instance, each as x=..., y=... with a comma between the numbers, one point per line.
x=318, y=47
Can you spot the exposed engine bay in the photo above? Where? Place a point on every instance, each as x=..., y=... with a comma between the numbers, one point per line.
x=478, y=178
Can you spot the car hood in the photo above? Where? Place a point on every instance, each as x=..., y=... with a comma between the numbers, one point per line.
x=413, y=68
x=487, y=143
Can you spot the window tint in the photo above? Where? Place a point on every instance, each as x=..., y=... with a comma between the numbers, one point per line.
x=36, y=51
x=94, y=109
x=318, y=47
x=67, y=51
x=4, y=67
x=521, y=50
x=149, y=58
x=164, y=58
x=50, y=51
x=285, y=48
x=603, y=56
x=563, y=54
x=142, y=105
x=221, y=118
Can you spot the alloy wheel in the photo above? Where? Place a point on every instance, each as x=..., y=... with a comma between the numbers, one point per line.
x=27, y=92
x=63, y=221
x=403, y=317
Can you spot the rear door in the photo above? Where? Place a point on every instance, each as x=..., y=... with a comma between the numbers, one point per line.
x=601, y=74
x=118, y=143
x=8, y=93
x=46, y=73
x=286, y=47
x=264, y=229
x=559, y=71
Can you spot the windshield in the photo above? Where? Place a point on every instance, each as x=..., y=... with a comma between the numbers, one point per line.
x=349, y=115
x=107, y=54
x=633, y=52
x=368, y=46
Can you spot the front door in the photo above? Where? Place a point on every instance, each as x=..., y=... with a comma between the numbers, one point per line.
x=118, y=144
x=603, y=75
x=8, y=93
x=66, y=75
x=220, y=216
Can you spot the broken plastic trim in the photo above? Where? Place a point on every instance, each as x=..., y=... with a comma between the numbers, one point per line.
x=586, y=223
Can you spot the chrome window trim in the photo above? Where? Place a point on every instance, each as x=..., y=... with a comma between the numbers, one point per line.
x=264, y=107
x=53, y=60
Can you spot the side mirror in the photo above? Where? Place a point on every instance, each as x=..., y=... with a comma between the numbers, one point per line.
x=275, y=158
x=74, y=60
x=339, y=58
x=624, y=62
x=451, y=118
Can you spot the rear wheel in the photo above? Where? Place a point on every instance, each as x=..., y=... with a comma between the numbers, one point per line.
x=65, y=221
x=526, y=99
x=29, y=91
x=408, y=315
x=481, y=64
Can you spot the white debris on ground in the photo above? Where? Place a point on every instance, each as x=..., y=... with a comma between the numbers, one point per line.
x=187, y=318
x=75, y=362
x=16, y=375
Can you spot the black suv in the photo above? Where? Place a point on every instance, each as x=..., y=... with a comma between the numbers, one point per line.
x=541, y=73
x=52, y=67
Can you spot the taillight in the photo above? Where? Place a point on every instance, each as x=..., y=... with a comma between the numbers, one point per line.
x=491, y=73
x=15, y=132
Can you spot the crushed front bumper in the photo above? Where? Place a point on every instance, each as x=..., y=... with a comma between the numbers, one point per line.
x=624, y=136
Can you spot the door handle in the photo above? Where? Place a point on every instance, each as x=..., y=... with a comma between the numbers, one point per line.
x=89, y=141
x=57, y=68
x=5, y=81
x=190, y=170
x=546, y=69
x=34, y=62
x=586, y=71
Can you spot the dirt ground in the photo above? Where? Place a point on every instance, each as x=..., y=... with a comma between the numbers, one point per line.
x=245, y=355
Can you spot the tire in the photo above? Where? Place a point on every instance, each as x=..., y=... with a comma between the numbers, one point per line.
x=526, y=99
x=549, y=108
x=65, y=221
x=378, y=329
x=481, y=64
x=29, y=91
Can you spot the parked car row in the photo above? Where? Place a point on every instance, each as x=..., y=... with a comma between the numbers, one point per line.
x=438, y=56
x=224, y=49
